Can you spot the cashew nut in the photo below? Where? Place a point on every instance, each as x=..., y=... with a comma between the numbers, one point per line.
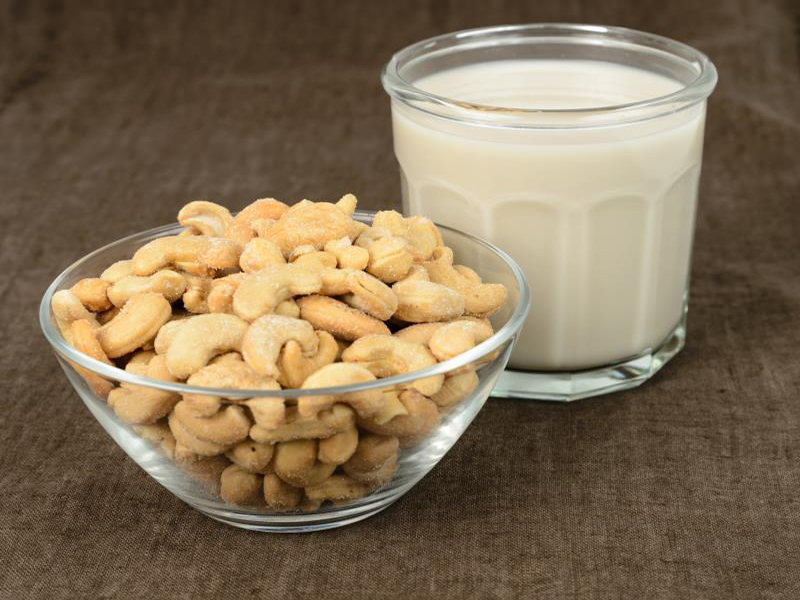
x=422, y=419
x=420, y=333
x=325, y=424
x=347, y=255
x=481, y=299
x=389, y=258
x=118, y=270
x=338, y=448
x=232, y=374
x=338, y=318
x=390, y=409
x=195, y=298
x=365, y=403
x=426, y=301
x=238, y=486
x=137, y=364
x=266, y=336
x=68, y=308
x=422, y=235
x=92, y=293
x=206, y=218
x=136, y=324
x=371, y=295
x=251, y=456
x=225, y=427
x=372, y=452
x=288, y=308
x=377, y=477
x=241, y=230
x=347, y=204
x=315, y=261
x=311, y=223
x=296, y=463
x=294, y=366
x=83, y=338
x=144, y=405
x=186, y=441
x=268, y=413
x=416, y=273
x=159, y=435
x=456, y=388
x=261, y=292
x=220, y=295
x=167, y=334
x=386, y=355
x=337, y=488
x=169, y=284
x=457, y=337
x=279, y=495
x=211, y=252
x=105, y=316
x=260, y=253
x=200, y=339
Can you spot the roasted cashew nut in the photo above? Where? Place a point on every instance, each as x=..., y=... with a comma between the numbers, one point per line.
x=195, y=298
x=456, y=388
x=481, y=299
x=389, y=257
x=312, y=223
x=294, y=366
x=325, y=424
x=338, y=448
x=266, y=336
x=240, y=487
x=144, y=405
x=67, y=308
x=457, y=337
x=92, y=293
x=386, y=355
x=186, y=441
x=118, y=270
x=241, y=230
x=339, y=319
x=225, y=427
x=232, y=374
x=259, y=254
x=425, y=302
x=420, y=333
x=211, y=252
x=136, y=324
x=296, y=463
x=365, y=403
x=371, y=295
x=337, y=488
x=83, y=337
x=207, y=218
x=347, y=255
x=261, y=292
x=422, y=418
x=251, y=456
x=422, y=235
x=279, y=495
x=168, y=283
x=200, y=339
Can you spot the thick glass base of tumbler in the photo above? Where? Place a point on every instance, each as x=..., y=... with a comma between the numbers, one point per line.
x=566, y=386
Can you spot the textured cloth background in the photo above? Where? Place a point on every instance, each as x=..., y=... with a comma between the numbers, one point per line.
x=113, y=114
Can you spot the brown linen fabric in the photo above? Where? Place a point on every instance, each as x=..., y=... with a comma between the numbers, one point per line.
x=113, y=114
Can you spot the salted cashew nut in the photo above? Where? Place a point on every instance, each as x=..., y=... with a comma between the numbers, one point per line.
x=211, y=252
x=226, y=427
x=241, y=229
x=339, y=319
x=200, y=339
x=294, y=366
x=117, y=270
x=420, y=333
x=145, y=405
x=296, y=463
x=279, y=495
x=167, y=333
x=137, y=364
x=456, y=337
x=389, y=257
x=372, y=452
x=386, y=355
x=347, y=255
x=337, y=488
x=207, y=218
x=136, y=324
x=422, y=418
x=251, y=456
x=92, y=293
x=365, y=403
x=238, y=486
x=347, y=204
x=232, y=374
x=380, y=476
x=312, y=223
x=168, y=283
x=195, y=298
x=288, y=308
x=67, y=308
x=421, y=233
x=220, y=295
x=325, y=424
x=371, y=295
x=261, y=292
x=416, y=273
x=159, y=435
x=338, y=448
x=260, y=253
x=481, y=299
x=105, y=316
x=83, y=338
x=425, y=301
x=314, y=261
x=266, y=336
x=186, y=441
x=456, y=388
x=268, y=412
x=391, y=407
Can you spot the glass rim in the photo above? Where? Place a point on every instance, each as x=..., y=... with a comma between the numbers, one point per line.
x=399, y=88
x=53, y=335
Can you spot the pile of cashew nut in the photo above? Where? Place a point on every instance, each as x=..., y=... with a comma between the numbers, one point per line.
x=284, y=297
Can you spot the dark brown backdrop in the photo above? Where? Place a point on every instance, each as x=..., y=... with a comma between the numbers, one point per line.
x=113, y=114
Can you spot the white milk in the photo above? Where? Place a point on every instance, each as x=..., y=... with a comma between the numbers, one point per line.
x=600, y=219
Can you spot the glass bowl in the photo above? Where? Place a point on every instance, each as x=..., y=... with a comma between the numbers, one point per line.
x=197, y=483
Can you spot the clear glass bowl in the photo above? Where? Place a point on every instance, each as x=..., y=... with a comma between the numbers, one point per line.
x=198, y=484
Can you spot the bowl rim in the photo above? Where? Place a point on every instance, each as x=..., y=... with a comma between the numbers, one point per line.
x=61, y=347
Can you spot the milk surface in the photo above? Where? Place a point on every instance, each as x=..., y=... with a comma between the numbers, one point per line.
x=600, y=219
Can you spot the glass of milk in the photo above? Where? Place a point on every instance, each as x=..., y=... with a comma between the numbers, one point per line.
x=577, y=150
